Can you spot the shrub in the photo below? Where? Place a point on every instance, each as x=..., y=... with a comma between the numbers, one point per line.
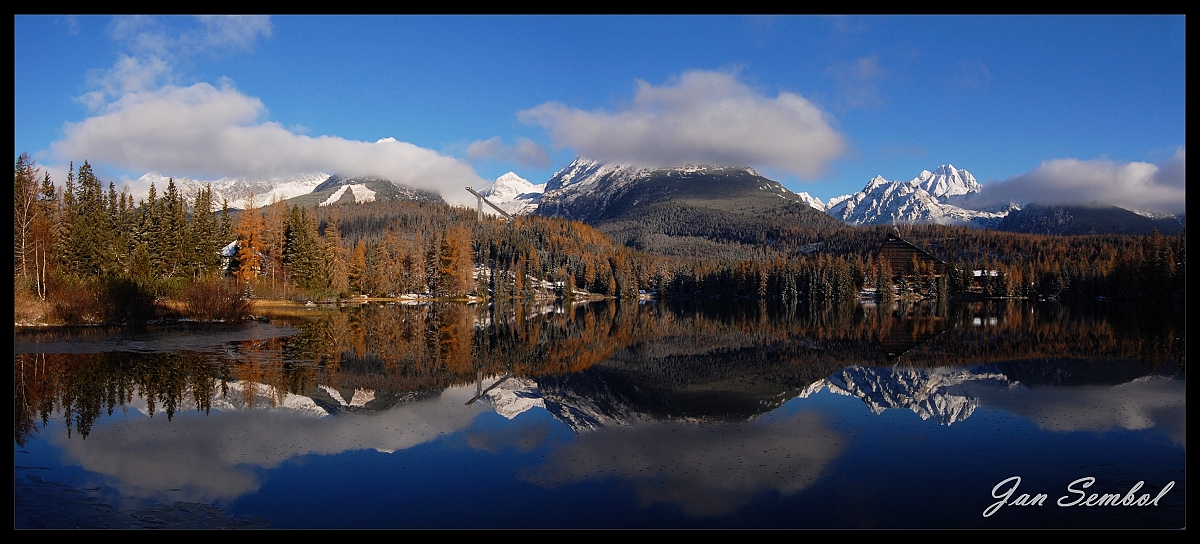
x=73, y=300
x=211, y=298
x=125, y=298
x=27, y=308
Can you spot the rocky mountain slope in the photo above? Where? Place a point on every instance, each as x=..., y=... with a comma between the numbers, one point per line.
x=1068, y=220
x=682, y=210
x=931, y=197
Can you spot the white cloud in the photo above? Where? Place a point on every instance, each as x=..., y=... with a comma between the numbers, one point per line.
x=209, y=131
x=171, y=35
x=237, y=33
x=858, y=81
x=154, y=46
x=526, y=153
x=702, y=117
x=129, y=74
x=1136, y=185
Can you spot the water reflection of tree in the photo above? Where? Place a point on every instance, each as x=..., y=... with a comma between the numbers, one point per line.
x=753, y=350
x=81, y=386
x=424, y=348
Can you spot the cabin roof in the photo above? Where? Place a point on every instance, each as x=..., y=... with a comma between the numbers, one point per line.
x=893, y=238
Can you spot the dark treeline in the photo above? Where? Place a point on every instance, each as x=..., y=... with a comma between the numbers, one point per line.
x=83, y=253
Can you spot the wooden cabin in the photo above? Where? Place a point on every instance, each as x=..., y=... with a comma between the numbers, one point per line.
x=902, y=255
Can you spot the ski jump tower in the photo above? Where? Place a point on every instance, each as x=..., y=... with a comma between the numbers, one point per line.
x=489, y=203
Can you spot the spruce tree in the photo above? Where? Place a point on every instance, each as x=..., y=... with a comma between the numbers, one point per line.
x=227, y=221
x=303, y=250
x=205, y=235
x=176, y=235
x=89, y=225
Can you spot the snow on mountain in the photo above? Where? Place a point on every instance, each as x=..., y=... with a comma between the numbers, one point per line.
x=931, y=197
x=361, y=194
x=514, y=194
x=812, y=201
x=587, y=402
x=514, y=396
x=236, y=190
x=241, y=396
x=946, y=182
x=586, y=179
x=1151, y=215
x=835, y=201
x=358, y=399
x=588, y=187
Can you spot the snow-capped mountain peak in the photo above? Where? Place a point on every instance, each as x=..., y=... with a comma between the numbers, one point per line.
x=236, y=190
x=878, y=181
x=514, y=194
x=931, y=197
x=812, y=201
x=946, y=181
x=510, y=186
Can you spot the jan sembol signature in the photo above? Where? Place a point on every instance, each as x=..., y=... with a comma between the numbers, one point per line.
x=1076, y=496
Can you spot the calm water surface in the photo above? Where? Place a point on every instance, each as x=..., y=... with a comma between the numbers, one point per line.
x=602, y=415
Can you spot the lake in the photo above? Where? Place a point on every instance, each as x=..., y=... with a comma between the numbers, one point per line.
x=606, y=415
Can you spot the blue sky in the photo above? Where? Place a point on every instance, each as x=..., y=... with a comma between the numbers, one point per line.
x=1090, y=107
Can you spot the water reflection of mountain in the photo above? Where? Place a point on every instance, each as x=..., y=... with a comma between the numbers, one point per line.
x=927, y=392
x=678, y=405
x=942, y=393
x=604, y=364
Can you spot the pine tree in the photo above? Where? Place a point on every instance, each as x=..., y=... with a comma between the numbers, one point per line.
x=227, y=221
x=90, y=226
x=149, y=250
x=175, y=232
x=303, y=250
x=205, y=243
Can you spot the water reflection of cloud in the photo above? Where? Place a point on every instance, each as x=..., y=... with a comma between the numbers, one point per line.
x=1140, y=404
x=215, y=457
x=707, y=470
x=524, y=437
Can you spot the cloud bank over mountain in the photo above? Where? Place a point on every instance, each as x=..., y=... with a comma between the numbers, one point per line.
x=209, y=131
x=144, y=119
x=1132, y=185
x=701, y=117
